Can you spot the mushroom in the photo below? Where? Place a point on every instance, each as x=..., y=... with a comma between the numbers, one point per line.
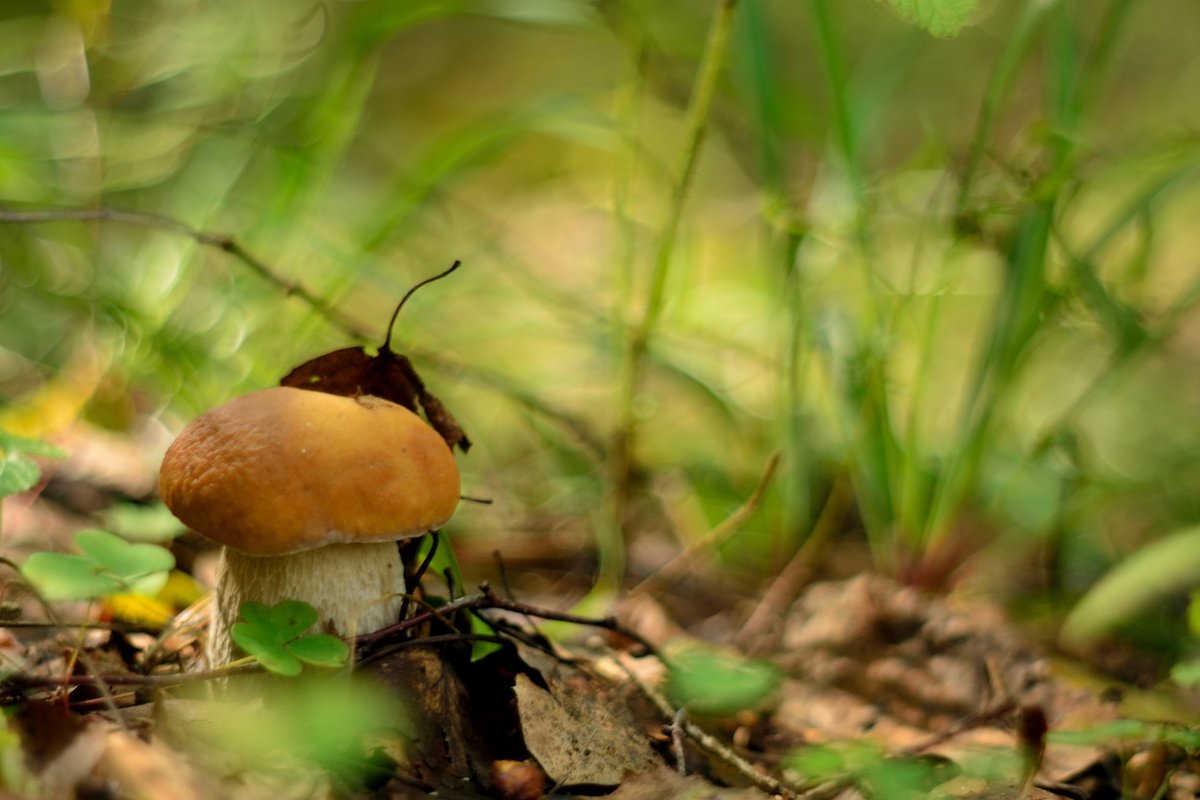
x=309, y=493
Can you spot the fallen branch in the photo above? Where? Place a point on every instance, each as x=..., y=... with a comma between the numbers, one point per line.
x=20, y=681
x=487, y=599
x=219, y=241
x=116, y=627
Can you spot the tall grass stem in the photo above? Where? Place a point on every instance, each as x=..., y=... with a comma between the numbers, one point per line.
x=638, y=338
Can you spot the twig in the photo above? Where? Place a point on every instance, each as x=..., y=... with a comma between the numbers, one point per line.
x=116, y=627
x=677, y=735
x=290, y=288
x=508, y=592
x=228, y=244
x=682, y=562
x=414, y=580
x=21, y=681
x=78, y=655
x=706, y=741
x=1001, y=708
x=439, y=638
x=488, y=599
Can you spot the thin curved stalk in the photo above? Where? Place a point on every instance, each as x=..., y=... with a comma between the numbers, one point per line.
x=641, y=333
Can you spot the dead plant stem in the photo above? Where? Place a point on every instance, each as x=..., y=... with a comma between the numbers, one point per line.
x=762, y=628
x=683, y=561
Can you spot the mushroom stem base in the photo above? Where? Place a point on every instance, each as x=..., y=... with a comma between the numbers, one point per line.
x=355, y=588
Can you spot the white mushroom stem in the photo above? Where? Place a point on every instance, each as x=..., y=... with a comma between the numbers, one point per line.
x=355, y=588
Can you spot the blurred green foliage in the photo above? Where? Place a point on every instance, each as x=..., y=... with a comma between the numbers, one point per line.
x=18, y=471
x=303, y=726
x=877, y=775
x=709, y=682
x=954, y=275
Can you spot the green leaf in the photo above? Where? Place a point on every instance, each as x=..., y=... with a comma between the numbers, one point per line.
x=257, y=614
x=1186, y=673
x=1184, y=738
x=329, y=719
x=905, y=777
x=283, y=621
x=1193, y=614
x=942, y=18
x=713, y=682
x=10, y=443
x=149, y=585
x=482, y=648
x=320, y=649
x=58, y=576
x=269, y=633
x=1105, y=733
x=259, y=642
x=17, y=471
x=1147, y=577
x=17, y=474
x=818, y=762
x=143, y=523
x=127, y=561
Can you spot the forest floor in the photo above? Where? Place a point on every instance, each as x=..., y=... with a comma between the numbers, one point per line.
x=859, y=687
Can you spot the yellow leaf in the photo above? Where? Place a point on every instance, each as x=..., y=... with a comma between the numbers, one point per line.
x=180, y=591
x=50, y=409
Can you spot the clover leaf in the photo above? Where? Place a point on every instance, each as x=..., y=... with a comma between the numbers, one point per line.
x=18, y=471
x=59, y=576
x=272, y=634
x=108, y=565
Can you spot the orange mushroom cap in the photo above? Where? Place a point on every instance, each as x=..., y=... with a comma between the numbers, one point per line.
x=284, y=470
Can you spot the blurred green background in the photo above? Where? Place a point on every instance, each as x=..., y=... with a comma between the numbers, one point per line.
x=950, y=281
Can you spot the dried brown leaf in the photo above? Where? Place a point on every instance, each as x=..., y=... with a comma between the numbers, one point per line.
x=445, y=745
x=351, y=371
x=149, y=770
x=581, y=732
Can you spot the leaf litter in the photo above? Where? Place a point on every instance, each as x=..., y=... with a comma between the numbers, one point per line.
x=877, y=679
x=871, y=689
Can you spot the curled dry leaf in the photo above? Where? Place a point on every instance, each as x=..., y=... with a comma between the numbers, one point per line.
x=352, y=371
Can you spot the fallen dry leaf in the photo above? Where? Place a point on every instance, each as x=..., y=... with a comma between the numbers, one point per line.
x=149, y=770
x=663, y=783
x=581, y=732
